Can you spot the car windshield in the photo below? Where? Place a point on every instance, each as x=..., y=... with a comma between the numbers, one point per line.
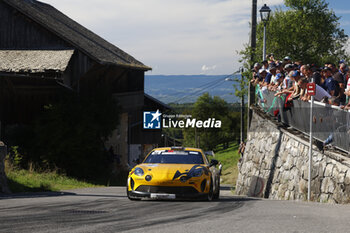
x=173, y=156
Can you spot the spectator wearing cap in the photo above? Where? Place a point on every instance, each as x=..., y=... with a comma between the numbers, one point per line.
x=340, y=75
x=294, y=89
x=255, y=70
x=280, y=67
x=295, y=66
x=265, y=64
x=297, y=91
x=262, y=77
x=287, y=59
x=333, y=68
x=311, y=73
x=287, y=83
x=276, y=83
x=330, y=85
x=270, y=57
x=343, y=69
x=288, y=67
x=256, y=67
x=323, y=76
x=256, y=74
x=279, y=82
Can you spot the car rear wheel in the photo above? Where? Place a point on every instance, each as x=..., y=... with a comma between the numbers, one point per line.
x=217, y=193
x=210, y=194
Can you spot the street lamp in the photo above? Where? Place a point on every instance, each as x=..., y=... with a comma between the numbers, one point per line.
x=265, y=15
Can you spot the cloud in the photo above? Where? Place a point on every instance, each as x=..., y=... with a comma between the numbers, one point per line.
x=345, y=23
x=208, y=68
x=341, y=11
x=173, y=37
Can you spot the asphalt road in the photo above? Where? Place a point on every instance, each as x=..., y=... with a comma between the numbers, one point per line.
x=109, y=210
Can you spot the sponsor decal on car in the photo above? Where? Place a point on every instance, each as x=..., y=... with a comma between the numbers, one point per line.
x=189, y=174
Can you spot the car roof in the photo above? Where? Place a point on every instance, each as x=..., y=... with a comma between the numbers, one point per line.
x=181, y=149
x=178, y=148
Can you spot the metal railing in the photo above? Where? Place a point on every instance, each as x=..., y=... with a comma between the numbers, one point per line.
x=329, y=122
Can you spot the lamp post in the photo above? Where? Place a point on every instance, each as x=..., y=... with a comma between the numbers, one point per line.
x=253, y=30
x=265, y=15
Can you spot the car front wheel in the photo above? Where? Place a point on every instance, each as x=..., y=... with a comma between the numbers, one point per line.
x=129, y=196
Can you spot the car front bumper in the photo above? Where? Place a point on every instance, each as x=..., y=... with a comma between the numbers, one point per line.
x=139, y=194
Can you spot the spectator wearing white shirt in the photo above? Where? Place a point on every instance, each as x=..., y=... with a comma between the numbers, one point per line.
x=320, y=92
x=273, y=71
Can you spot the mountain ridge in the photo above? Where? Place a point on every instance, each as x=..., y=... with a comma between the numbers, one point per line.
x=187, y=88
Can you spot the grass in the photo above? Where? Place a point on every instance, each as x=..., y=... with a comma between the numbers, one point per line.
x=20, y=180
x=229, y=158
x=26, y=181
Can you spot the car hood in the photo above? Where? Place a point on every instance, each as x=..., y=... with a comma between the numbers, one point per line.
x=171, y=171
x=166, y=168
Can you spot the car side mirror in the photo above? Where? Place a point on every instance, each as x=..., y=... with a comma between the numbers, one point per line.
x=210, y=153
x=213, y=162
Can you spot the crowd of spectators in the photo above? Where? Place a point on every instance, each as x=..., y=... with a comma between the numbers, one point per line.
x=289, y=78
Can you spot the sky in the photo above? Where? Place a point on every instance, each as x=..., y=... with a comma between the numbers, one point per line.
x=177, y=37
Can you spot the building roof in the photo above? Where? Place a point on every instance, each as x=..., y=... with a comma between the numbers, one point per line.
x=75, y=34
x=160, y=104
x=34, y=61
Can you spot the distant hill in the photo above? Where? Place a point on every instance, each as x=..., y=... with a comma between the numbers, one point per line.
x=187, y=88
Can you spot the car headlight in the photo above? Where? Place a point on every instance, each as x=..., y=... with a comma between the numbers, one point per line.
x=197, y=173
x=139, y=172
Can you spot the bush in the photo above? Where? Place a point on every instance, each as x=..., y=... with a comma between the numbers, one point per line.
x=206, y=107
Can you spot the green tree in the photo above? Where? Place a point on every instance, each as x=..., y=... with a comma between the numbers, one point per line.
x=307, y=31
x=208, y=138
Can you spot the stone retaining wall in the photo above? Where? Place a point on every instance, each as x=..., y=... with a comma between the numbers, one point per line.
x=275, y=166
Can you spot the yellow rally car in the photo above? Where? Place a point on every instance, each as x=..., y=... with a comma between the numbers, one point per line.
x=174, y=172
